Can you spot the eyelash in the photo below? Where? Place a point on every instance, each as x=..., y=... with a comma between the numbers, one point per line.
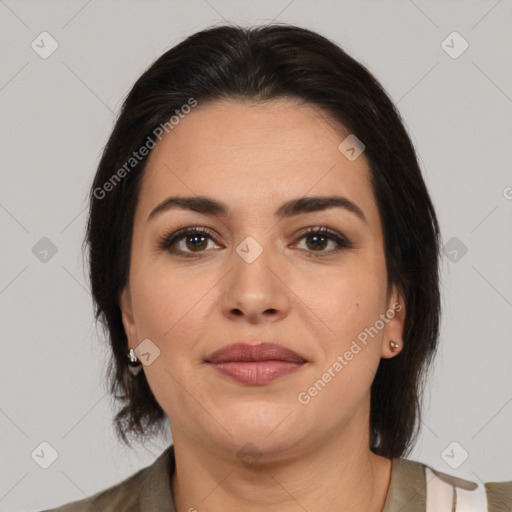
x=167, y=241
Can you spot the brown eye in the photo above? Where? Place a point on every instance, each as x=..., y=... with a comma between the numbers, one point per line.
x=318, y=242
x=317, y=239
x=186, y=241
x=196, y=242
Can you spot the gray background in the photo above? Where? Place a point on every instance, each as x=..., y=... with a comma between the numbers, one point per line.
x=56, y=114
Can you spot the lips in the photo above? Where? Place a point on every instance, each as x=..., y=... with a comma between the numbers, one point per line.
x=242, y=352
x=255, y=364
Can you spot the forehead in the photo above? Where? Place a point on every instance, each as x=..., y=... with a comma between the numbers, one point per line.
x=252, y=155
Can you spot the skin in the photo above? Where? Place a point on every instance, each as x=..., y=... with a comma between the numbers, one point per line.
x=255, y=156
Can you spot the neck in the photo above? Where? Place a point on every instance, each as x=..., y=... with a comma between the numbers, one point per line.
x=338, y=474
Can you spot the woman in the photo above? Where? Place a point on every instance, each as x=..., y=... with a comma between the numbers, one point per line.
x=264, y=254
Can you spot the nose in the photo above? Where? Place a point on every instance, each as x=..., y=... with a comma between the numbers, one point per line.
x=256, y=291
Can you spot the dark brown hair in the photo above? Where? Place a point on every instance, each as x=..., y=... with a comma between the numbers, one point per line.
x=264, y=63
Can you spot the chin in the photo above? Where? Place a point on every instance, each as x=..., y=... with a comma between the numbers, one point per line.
x=270, y=429
x=253, y=446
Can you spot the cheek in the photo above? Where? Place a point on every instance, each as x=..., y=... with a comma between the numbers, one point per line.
x=171, y=307
x=350, y=301
x=170, y=310
x=350, y=353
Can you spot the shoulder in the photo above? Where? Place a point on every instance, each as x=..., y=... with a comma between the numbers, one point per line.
x=499, y=496
x=438, y=487
x=124, y=496
x=135, y=493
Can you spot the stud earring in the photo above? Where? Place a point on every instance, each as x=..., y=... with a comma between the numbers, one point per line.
x=134, y=365
x=395, y=347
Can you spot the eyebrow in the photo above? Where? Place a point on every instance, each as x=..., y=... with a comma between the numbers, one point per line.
x=210, y=206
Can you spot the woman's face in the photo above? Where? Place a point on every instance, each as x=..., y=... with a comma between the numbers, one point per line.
x=257, y=277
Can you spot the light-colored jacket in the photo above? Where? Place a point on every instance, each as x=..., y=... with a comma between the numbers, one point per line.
x=414, y=487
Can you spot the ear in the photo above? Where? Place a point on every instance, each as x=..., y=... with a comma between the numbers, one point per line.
x=130, y=328
x=393, y=331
